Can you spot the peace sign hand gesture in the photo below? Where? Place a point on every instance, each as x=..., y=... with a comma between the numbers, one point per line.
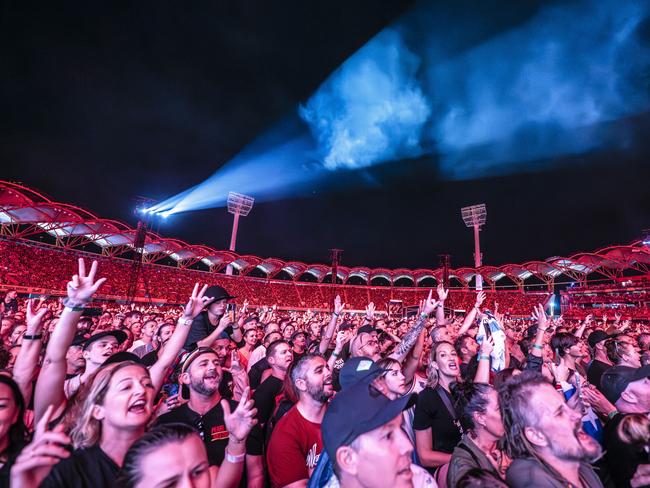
x=35, y=314
x=83, y=286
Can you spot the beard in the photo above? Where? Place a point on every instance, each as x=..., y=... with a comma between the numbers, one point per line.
x=586, y=449
x=318, y=393
x=199, y=385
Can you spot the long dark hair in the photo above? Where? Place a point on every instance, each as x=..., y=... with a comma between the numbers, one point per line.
x=470, y=398
x=18, y=433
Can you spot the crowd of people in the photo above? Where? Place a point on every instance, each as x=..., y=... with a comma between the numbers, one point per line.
x=171, y=284
x=98, y=394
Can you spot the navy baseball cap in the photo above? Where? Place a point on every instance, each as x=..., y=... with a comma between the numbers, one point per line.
x=357, y=369
x=358, y=409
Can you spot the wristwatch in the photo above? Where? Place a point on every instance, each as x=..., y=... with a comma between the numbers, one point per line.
x=186, y=322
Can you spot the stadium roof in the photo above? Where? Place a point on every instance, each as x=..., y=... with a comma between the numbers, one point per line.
x=25, y=212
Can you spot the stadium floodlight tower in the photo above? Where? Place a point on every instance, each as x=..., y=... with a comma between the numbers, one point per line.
x=238, y=205
x=475, y=216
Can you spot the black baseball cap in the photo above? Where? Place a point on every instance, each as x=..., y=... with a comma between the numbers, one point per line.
x=216, y=292
x=297, y=333
x=368, y=329
x=358, y=369
x=79, y=340
x=597, y=336
x=119, y=335
x=357, y=410
x=615, y=380
x=122, y=356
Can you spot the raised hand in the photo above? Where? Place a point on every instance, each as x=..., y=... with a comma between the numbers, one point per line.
x=240, y=422
x=35, y=314
x=235, y=365
x=429, y=304
x=83, y=286
x=487, y=346
x=480, y=298
x=370, y=311
x=339, y=306
x=540, y=315
x=560, y=372
x=37, y=458
x=442, y=293
x=341, y=339
x=196, y=303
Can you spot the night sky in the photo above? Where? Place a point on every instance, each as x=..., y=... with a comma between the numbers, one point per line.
x=103, y=102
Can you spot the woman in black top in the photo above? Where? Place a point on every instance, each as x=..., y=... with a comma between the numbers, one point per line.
x=113, y=414
x=13, y=433
x=435, y=422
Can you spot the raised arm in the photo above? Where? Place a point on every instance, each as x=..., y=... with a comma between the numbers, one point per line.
x=440, y=310
x=413, y=359
x=585, y=323
x=471, y=315
x=483, y=370
x=542, y=325
x=173, y=347
x=329, y=330
x=410, y=338
x=49, y=385
x=27, y=358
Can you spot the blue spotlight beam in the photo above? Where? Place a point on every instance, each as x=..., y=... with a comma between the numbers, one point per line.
x=548, y=88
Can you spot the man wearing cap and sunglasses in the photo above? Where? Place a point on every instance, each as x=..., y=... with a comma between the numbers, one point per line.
x=208, y=325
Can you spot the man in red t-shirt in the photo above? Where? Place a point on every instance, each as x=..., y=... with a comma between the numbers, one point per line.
x=296, y=442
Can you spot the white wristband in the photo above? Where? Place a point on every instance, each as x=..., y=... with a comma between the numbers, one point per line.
x=235, y=459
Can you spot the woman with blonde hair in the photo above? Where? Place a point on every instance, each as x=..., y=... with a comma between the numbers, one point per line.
x=113, y=414
x=435, y=412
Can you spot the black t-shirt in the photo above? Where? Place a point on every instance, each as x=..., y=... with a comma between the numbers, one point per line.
x=621, y=458
x=85, y=468
x=200, y=329
x=431, y=412
x=150, y=358
x=595, y=372
x=256, y=371
x=211, y=427
x=266, y=397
